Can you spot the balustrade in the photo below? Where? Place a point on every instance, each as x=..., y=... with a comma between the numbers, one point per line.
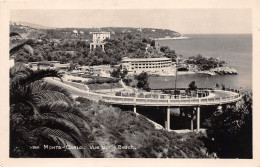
x=153, y=98
x=167, y=100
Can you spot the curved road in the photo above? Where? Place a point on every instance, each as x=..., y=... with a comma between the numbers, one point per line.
x=216, y=97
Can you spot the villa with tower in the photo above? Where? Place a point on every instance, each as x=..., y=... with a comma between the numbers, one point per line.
x=98, y=40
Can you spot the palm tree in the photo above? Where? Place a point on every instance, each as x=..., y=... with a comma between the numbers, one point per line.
x=22, y=43
x=42, y=114
x=43, y=119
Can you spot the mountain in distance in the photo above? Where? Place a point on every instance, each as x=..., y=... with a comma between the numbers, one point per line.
x=33, y=30
x=31, y=25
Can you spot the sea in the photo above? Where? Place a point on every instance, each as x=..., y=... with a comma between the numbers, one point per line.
x=234, y=49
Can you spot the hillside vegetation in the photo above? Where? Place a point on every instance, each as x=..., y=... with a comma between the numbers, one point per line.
x=49, y=46
x=123, y=134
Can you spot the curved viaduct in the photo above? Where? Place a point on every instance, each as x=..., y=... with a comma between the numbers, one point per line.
x=215, y=97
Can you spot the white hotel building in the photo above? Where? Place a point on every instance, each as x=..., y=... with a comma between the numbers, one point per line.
x=161, y=66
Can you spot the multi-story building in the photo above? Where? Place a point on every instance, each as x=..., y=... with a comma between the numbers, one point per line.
x=98, y=40
x=161, y=66
x=99, y=37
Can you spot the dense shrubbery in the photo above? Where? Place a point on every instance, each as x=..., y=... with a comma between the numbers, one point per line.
x=127, y=81
x=230, y=131
x=204, y=63
x=101, y=80
x=118, y=73
x=97, y=80
x=168, y=52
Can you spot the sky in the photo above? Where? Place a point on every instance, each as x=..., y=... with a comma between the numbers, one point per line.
x=185, y=21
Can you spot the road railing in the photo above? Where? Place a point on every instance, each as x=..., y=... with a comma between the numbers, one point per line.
x=231, y=97
x=168, y=96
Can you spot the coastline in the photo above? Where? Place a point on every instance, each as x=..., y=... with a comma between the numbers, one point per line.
x=166, y=38
x=185, y=72
x=209, y=72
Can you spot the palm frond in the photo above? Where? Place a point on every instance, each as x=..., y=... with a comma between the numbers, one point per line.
x=16, y=119
x=51, y=121
x=34, y=108
x=81, y=124
x=17, y=107
x=24, y=134
x=49, y=97
x=59, y=107
x=17, y=68
x=19, y=72
x=19, y=46
x=56, y=132
x=74, y=118
x=28, y=49
x=45, y=86
x=27, y=76
x=14, y=34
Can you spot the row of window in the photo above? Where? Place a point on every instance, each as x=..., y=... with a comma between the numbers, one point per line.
x=160, y=61
x=151, y=64
x=152, y=67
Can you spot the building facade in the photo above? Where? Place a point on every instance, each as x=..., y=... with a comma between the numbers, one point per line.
x=161, y=66
x=99, y=37
x=98, y=40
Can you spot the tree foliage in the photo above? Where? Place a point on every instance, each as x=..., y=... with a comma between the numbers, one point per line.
x=205, y=63
x=119, y=127
x=230, y=131
x=192, y=86
x=143, y=81
x=56, y=45
x=118, y=73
